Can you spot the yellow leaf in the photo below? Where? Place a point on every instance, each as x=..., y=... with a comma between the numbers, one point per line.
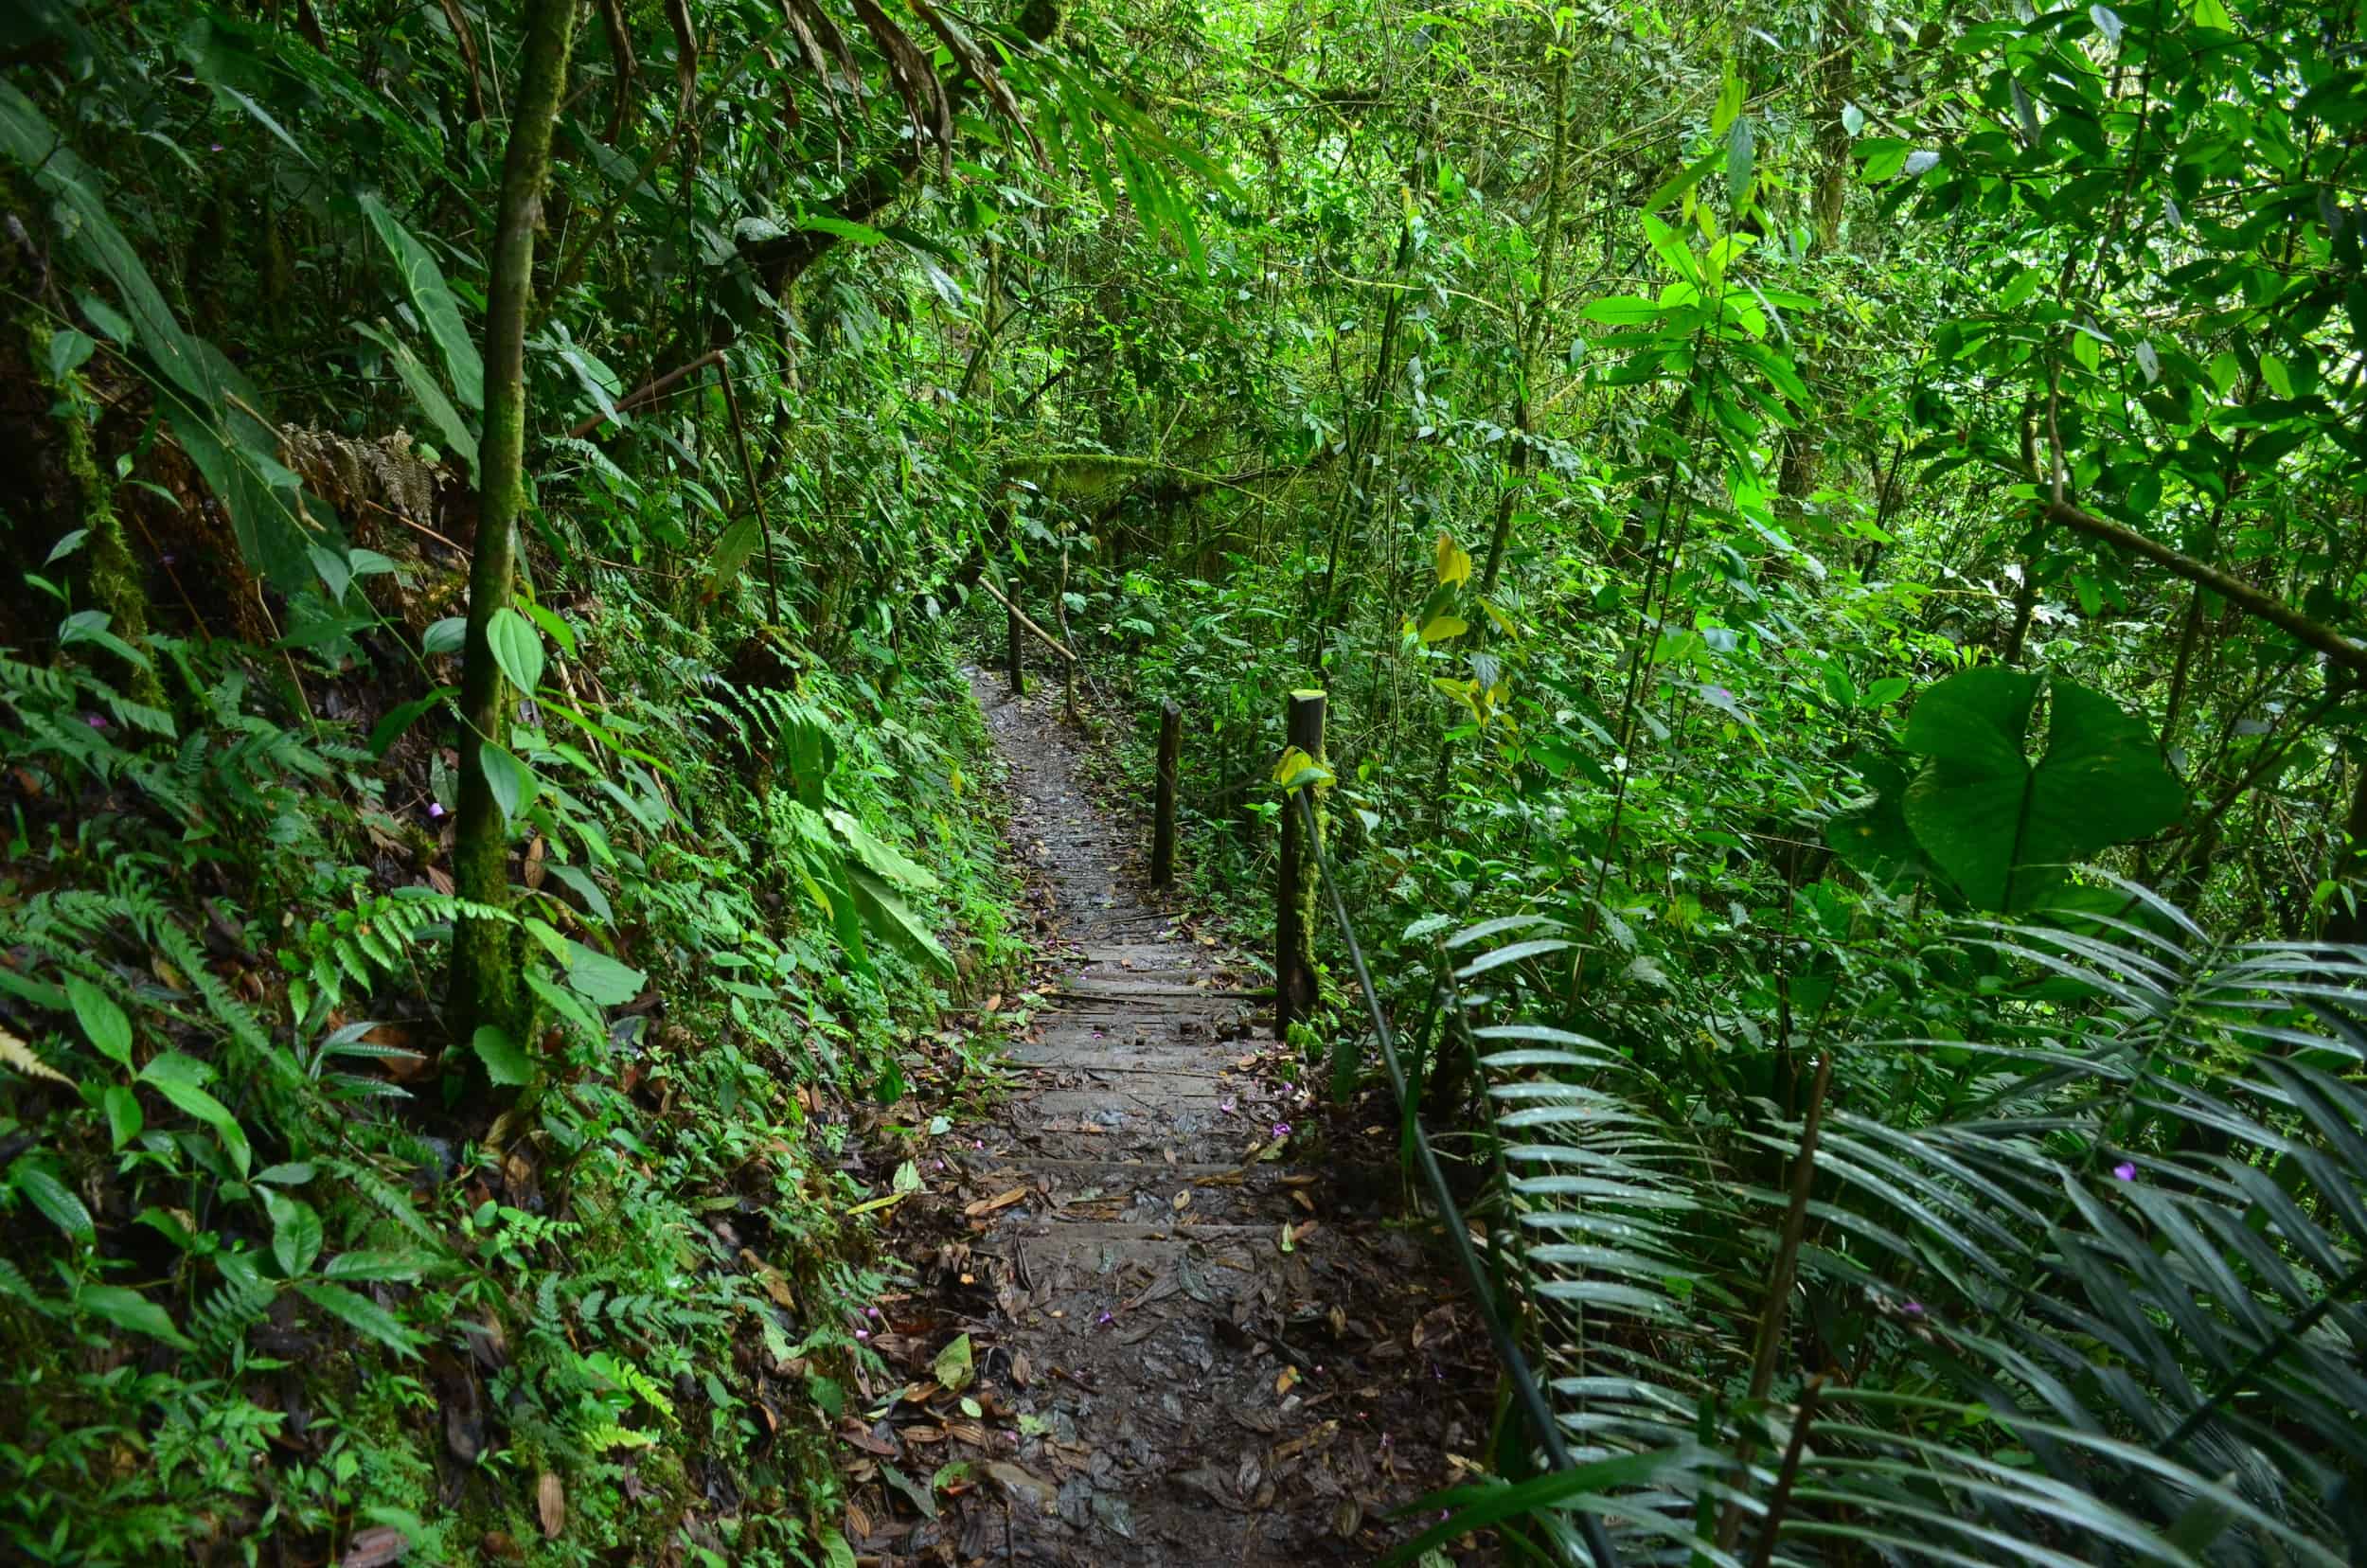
x=1443, y=627
x=954, y=779
x=1504, y=622
x=1289, y=1379
x=16, y=1054
x=1296, y=769
x=1454, y=565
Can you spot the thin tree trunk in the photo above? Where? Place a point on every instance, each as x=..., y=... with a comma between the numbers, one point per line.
x=486, y=987
x=2347, y=923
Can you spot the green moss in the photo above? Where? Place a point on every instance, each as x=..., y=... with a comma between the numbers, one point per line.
x=112, y=579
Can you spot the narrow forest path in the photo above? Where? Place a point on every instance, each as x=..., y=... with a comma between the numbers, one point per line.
x=1187, y=1385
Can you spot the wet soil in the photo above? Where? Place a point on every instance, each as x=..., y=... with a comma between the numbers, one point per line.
x=1199, y=1329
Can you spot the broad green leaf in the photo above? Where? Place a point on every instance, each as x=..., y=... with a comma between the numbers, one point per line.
x=53, y=1200
x=423, y=280
x=391, y=728
x=295, y=1232
x=506, y=1061
x=366, y=1265
x=1670, y=247
x=886, y=915
x=733, y=549
x=517, y=647
x=124, y=1120
x=2001, y=826
x=882, y=858
x=103, y=1024
x=603, y=981
x=179, y=1079
x=127, y=1308
x=845, y=228
x=450, y=428
x=362, y=1314
x=513, y=783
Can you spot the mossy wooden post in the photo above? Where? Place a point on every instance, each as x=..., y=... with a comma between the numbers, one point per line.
x=1015, y=656
x=1294, y=994
x=486, y=987
x=1163, y=805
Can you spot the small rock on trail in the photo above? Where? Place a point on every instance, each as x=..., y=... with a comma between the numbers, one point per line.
x=1199, y=1337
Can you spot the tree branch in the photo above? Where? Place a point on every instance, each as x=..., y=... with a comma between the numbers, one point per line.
x=2253, y=602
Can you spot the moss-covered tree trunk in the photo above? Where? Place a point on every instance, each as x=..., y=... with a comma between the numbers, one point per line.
x=112, y=579
x=486, y=987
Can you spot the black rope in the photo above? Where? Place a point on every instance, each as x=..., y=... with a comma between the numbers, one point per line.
x=1515, y=1365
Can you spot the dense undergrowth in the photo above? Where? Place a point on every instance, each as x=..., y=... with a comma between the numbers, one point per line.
x=273, y=1277
x=1832, y=535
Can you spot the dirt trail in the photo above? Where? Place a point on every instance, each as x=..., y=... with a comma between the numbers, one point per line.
x=1161, y=1381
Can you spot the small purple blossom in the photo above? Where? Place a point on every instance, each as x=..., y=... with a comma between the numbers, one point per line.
x=1911, y=1309
x=434, y=808
x=1103, y=1318
x=871, y=1311
x=1225, y=1106
x=216, y=148
x=2126, y=1170
x=93, y=721
x=863, y=1333
x=1282, y=1129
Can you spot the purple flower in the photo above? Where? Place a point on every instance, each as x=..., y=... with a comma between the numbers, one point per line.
x=434, y=808
x=1282, y=1129
x=1225, y=1106
x=93, y=721
x=1912, y=1308
x=2126, y=1170
x=871, y=1311
x=863, y=1333
x=216, y=148
x=1103, y=1318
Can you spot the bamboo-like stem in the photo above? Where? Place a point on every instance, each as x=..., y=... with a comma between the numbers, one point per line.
x=485, y=986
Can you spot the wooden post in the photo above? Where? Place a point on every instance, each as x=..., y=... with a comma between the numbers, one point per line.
x=1294, y=994
x=1017, y=658
x=1163, y=811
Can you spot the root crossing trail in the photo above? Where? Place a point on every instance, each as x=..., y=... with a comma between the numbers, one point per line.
x=1212, y=1350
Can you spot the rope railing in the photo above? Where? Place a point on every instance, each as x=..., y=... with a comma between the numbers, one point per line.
x=1527, y=1394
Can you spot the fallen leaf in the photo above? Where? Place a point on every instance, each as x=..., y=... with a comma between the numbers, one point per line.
x=374, y=1548
x=1347, y=1517
x=954, y=1367
x=775, y=1284
x=1021, y=1485
x=1183, y=1201
x=550, y=1503
x=1288, y=1379
x=1000, y=1200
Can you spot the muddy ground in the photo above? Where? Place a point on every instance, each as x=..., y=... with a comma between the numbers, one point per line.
x=1170, y=1311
